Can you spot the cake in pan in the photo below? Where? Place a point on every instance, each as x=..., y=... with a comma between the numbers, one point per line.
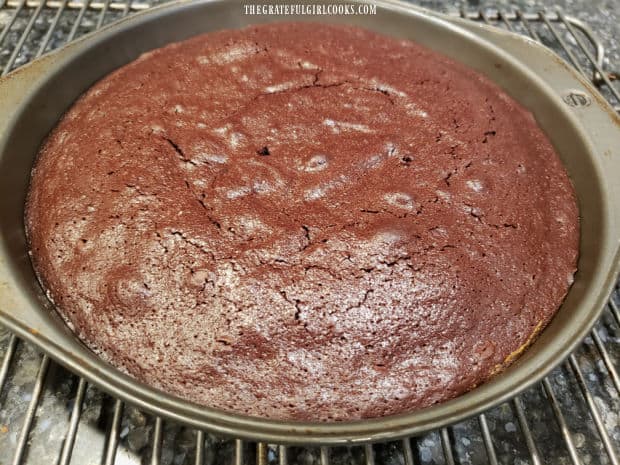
x=302, y=222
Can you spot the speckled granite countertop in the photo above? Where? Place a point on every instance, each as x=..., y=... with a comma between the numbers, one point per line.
x=52, y=419
x=603, y=16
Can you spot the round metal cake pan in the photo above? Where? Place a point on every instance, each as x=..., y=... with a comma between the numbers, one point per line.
x=587, y=137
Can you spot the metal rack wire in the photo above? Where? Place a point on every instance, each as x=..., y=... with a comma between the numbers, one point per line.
x=48, y=415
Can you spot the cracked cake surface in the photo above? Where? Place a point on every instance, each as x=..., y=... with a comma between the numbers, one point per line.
x=302, y=221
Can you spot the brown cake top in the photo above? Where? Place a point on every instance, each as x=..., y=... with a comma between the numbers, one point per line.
x=302, y=221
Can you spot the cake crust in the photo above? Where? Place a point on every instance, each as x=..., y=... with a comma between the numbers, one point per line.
x=302, y=221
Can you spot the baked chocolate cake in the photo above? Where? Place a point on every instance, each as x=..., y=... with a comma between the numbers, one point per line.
x=303, y=222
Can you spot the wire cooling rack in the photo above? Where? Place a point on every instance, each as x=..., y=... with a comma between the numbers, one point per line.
x=50, y=416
